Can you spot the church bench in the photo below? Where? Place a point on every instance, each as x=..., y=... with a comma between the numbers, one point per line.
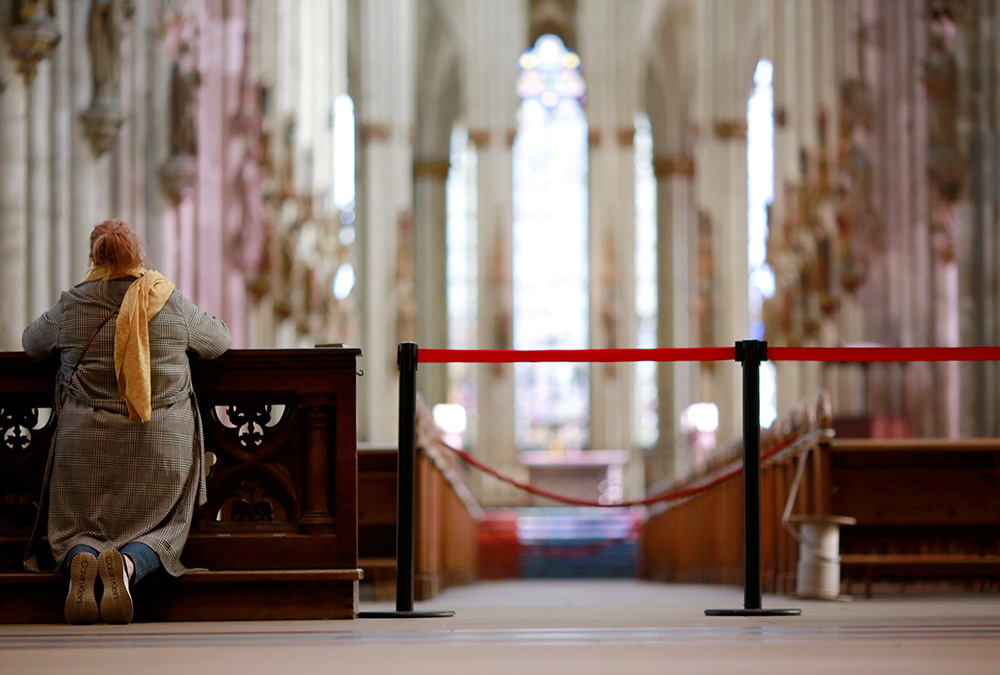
x=377, y=518
x=899, y=566
x=926, y=509
x=278, y=535
x=447, y=517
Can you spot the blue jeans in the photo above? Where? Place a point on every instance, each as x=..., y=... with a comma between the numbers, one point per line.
x=143, y=558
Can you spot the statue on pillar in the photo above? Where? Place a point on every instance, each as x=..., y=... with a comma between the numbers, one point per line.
x=249, y=244
x=184, y=82
x=945, y=166
x=105, y=32
x=179, y=173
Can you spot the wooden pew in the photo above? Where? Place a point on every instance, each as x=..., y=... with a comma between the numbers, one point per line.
x=700, y=540
x=377, y=518
x=278, y=535
x=925, y=508
x=447, y=516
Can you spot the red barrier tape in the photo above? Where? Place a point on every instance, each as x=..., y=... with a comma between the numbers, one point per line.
x=574, y=355
x=828, y=354
x=891, y=354
x=668, y=497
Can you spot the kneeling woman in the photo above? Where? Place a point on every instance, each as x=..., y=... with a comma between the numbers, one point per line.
x=126, y=468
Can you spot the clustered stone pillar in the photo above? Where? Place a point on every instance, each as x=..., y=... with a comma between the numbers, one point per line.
x=494, y=38
x=610, y=62
x=724, y=77
x=383, y=95
x=13, y=197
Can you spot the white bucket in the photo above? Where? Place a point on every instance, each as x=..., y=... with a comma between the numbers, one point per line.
x=818, y=572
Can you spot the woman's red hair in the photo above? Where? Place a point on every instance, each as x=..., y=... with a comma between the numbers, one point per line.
x=115, y=245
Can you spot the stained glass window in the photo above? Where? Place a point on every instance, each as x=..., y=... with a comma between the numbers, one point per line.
x=760, y=193
x=344, y=190
x=646, y=398
x=550, y=259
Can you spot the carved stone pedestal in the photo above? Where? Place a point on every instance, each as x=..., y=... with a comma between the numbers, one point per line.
x=32, y=42
x=101, y=125
x=178, y=175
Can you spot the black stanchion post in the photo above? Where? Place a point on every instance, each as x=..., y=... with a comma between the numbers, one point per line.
x=406, y=359
x=751, y=353
x=406, y=467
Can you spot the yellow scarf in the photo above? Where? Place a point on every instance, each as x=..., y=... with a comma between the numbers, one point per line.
x=144, y=298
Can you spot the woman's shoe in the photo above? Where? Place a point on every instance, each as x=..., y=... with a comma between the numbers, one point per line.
x=81, y=604
x=116, y=603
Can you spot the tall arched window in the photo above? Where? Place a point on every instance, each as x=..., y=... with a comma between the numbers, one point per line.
x=760, y=194
x=550, y=261
x=463, y=278
x=646, y=300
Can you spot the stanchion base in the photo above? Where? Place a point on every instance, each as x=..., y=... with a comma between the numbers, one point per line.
x=429, y=614
x=753, y=612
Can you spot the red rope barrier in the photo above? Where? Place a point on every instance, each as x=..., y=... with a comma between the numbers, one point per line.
x=574, y=355
x=884, y=354
x=668, y=497
x=827, y=354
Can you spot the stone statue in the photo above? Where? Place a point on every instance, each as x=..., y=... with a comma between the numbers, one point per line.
x=941, y=77
x=184, y=83
x=105, y=31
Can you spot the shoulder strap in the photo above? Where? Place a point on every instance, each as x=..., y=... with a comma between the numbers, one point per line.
x=83, y=353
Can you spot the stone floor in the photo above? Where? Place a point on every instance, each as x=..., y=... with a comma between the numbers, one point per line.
x=587, y=626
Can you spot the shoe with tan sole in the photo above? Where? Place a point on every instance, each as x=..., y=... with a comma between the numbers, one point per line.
x=116, y=603
x=81, y=604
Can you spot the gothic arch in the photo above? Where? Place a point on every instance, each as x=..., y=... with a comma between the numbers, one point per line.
x=668, y=85
x=439, y=77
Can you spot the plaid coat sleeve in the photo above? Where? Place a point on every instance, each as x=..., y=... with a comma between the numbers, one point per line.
x=208, y=337
x=40, y=338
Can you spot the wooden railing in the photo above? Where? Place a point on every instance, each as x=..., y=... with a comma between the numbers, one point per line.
x=924, y=509
x=279, y=532
x=447, y=517
x=700, y=540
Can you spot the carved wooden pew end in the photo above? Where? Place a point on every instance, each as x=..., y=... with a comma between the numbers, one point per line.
x=279, y=532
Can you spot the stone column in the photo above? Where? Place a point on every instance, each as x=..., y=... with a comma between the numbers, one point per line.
x=40, y=290
x=431, y=219
x=86, y=208
x=383, y=95
x=676, y=248
x=439, y=102
x=977, y=238
x=789, y=69
x=261, y=321
x=60, y=175
x=725, y=79
x=610, y=59
x=13, y=192
x=213, y=169
x=496, y=34
x=669, y=78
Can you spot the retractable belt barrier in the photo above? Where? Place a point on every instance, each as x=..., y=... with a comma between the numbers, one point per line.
x=750, y=353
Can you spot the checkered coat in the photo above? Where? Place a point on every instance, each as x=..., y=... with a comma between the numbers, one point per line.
x=110, y=480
